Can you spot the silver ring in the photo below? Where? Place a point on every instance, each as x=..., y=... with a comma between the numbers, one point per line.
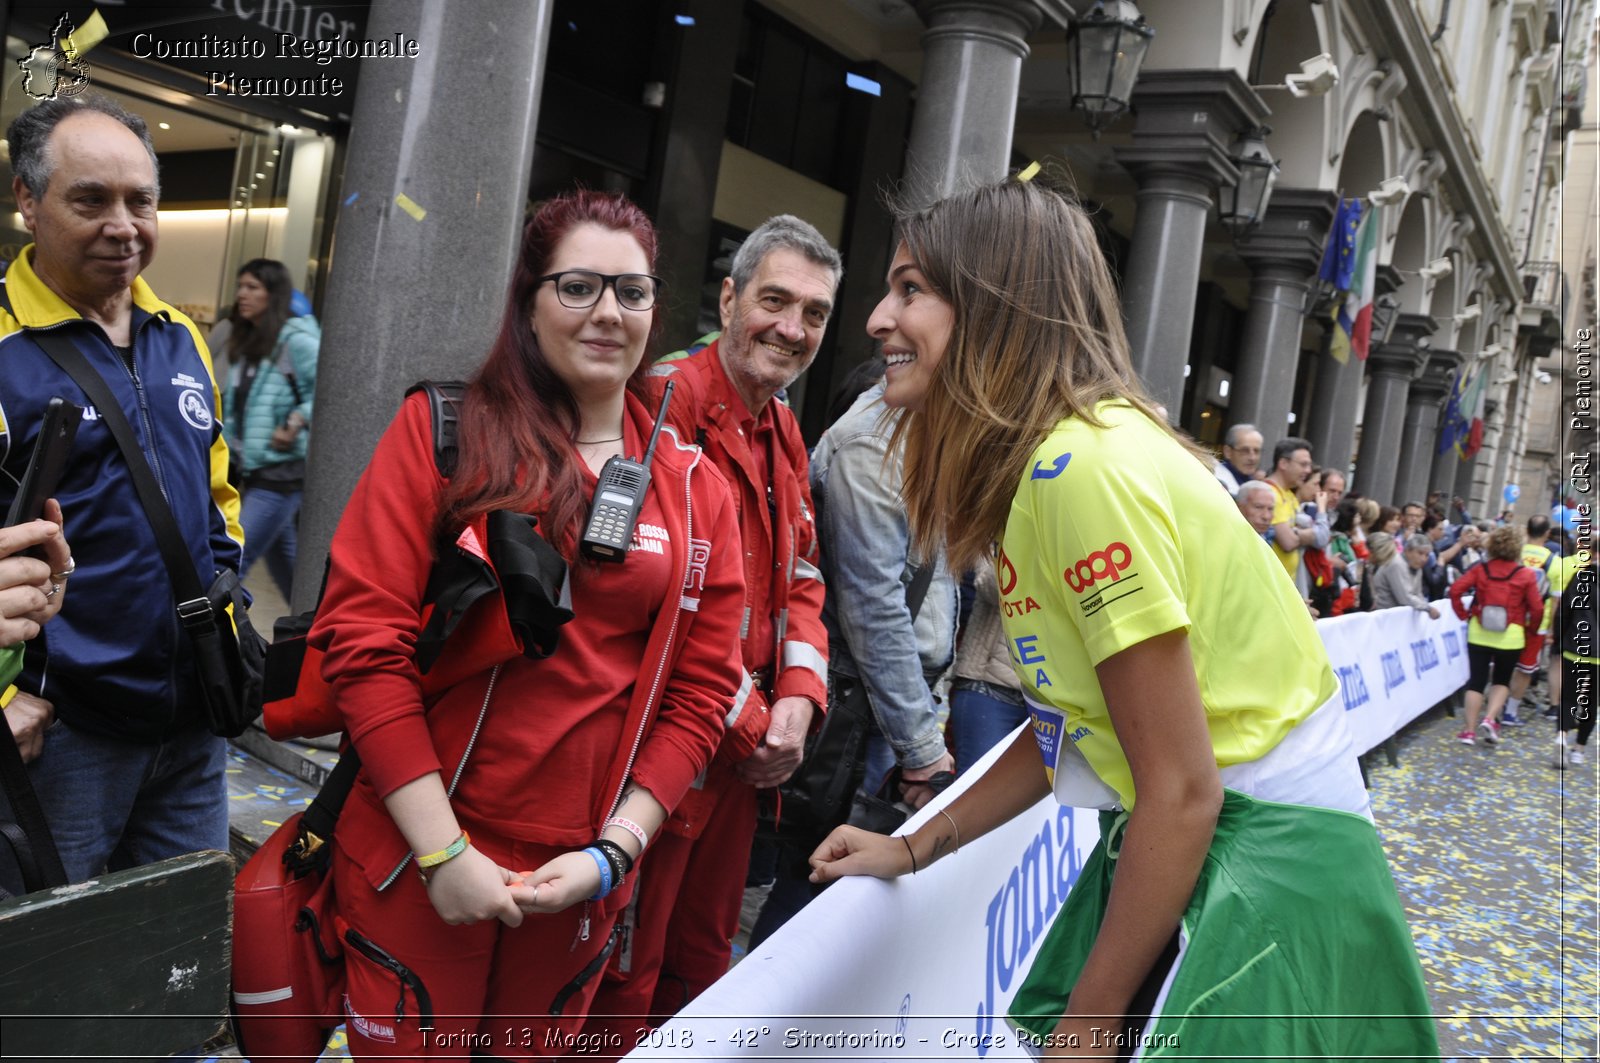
x=61, y=577
x=55, y=589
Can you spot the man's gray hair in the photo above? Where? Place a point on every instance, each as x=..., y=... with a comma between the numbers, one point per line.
x=787, y=233
x=1420, y=541
x=30, y=133
x=1250, y=487
x=1236, y=432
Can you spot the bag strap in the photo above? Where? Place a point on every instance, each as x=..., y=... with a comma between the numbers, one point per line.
x=444, y=406
x=36, y=848
x=917, y=589
x=193, y=606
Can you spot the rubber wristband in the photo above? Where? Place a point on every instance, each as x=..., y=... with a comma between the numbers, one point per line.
x=604, y=865
x=448, y=853
x=11, y=692
x=632, y=828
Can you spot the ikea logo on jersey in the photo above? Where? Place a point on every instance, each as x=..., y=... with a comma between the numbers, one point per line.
x=1020, y=912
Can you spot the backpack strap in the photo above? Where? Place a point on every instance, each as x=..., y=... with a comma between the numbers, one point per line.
x=444, y=406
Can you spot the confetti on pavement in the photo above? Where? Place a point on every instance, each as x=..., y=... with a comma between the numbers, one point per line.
x=1494, y=855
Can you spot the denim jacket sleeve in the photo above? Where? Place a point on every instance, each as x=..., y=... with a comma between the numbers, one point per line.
x=866, y=541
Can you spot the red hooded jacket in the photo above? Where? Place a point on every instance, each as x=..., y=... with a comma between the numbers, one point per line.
x=782, y=634
x=559, y=737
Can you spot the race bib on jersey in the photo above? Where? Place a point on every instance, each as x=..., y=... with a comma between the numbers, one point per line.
x=1072, y=781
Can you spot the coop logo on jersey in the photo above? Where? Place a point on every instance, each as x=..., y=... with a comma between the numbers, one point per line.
x=195, y=409
x=1107, y=564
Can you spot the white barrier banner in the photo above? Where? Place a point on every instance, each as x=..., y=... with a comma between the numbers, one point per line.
x=926, y=966
x=1393, y=665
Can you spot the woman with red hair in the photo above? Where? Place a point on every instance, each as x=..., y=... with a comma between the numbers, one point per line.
x=487, y=846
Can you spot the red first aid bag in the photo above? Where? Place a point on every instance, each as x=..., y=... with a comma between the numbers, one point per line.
x=288, y=965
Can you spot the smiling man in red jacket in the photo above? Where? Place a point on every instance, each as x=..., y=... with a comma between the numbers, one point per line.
x=775, y=308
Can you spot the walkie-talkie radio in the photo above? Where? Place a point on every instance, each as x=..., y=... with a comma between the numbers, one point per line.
x=618, y=497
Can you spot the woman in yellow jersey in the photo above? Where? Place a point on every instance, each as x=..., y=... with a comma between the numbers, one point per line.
x=1239, y=903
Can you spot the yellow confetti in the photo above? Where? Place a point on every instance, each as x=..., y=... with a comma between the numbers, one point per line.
x=85, y=37
x=272, y=823
x=1029, y=172
x=410, y=206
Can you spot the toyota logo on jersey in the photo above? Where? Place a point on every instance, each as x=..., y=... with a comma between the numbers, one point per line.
x=1106, y=564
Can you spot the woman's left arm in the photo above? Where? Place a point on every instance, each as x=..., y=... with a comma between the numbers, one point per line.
x=1154, y=700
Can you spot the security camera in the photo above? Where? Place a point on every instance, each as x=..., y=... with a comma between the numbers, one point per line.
x=1317, y=75
x=1543, y=377
x=1392, y=190
x=1437, y=269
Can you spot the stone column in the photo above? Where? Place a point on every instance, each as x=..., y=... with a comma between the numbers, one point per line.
x=1391, y=369
x=972, y=57
x=1444, y=469
x=1187, y=122
x=435, y=181
x=1283, y=253
x=1331, y=425
x=1420, y=436
x=693, y=125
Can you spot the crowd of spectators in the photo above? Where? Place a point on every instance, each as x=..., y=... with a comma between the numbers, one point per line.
x=1350, y=553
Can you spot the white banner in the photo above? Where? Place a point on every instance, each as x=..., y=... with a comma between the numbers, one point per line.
x=1394, y=665
x=926, y=966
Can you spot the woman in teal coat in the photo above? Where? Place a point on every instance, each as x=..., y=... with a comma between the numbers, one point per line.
x=267, y=412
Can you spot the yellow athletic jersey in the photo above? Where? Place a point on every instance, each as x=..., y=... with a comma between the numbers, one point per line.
x=1117, y=535
x=1284, y=507
x=1514, y=637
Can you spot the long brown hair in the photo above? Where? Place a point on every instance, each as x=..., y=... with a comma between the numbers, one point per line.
x=1037, y=338
x=519, y=419
x=251, y=341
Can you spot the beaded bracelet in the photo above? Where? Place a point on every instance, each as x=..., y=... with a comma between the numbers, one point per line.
x=632, y=828
x=448, y=853
x=604, y=865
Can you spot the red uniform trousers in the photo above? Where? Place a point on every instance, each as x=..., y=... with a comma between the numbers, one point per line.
x=683, y=924
x=490, y=986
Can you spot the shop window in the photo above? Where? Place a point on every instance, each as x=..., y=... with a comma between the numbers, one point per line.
x=788, y=97
x=234, y=186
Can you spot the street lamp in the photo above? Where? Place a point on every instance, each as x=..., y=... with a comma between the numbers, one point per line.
x=1244, y=204
x=1106, y=48
x=1385, y=312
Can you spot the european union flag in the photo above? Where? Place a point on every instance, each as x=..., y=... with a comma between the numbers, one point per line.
x=1339, y=255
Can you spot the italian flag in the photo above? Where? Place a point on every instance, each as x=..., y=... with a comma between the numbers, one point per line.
x=1358, y=304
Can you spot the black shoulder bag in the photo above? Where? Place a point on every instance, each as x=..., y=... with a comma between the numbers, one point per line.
x=229, y=655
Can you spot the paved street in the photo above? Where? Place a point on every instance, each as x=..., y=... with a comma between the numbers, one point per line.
x=1494, y=852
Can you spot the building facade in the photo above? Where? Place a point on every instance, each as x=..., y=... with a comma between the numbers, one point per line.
x=1461, y=115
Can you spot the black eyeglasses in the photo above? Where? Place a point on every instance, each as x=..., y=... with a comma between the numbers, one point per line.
x=579, y=289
